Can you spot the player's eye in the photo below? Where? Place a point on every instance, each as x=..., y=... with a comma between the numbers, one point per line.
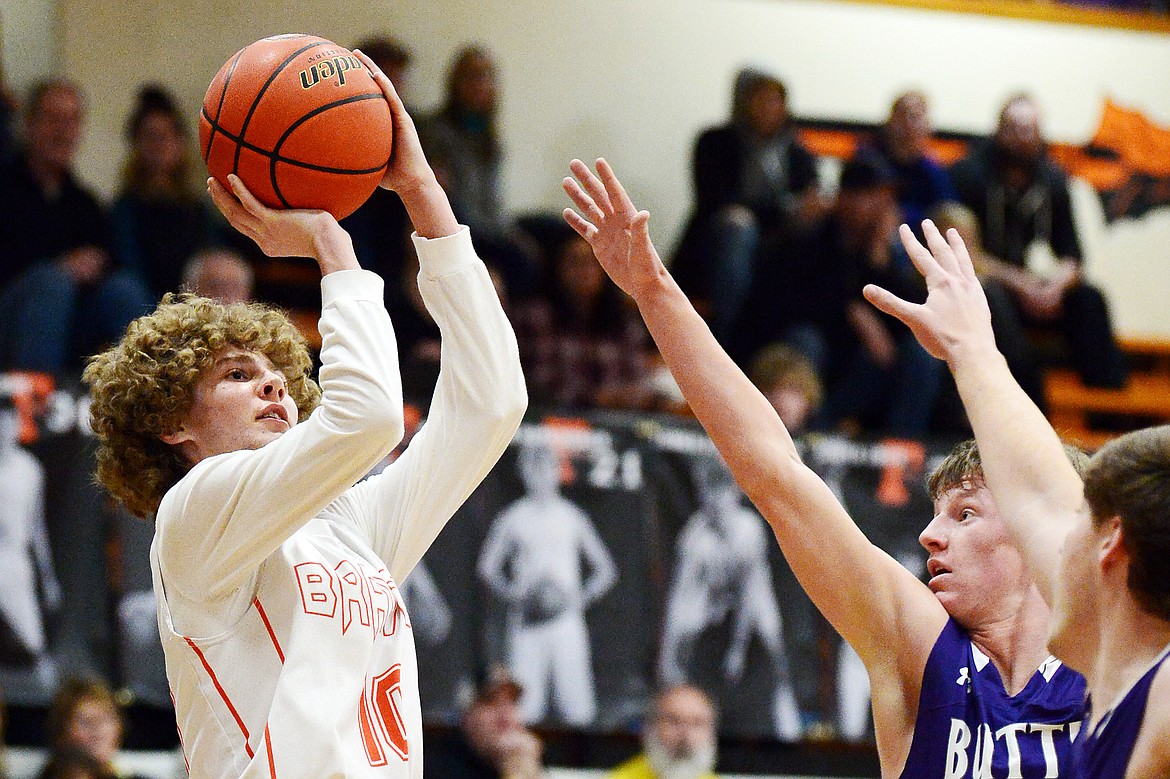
x=238, y=374
x=966, y=514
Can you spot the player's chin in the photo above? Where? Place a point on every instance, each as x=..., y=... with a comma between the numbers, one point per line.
x=942, y=582
x=265, y=437
x=951, y=599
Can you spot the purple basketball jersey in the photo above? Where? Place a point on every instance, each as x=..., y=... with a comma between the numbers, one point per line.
x=1105, y=749
x=969, y=727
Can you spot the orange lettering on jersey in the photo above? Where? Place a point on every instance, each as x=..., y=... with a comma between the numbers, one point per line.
x=370, y=596
x=374, y=752
x=316, y=586
x=354, y=595
x=387, y=697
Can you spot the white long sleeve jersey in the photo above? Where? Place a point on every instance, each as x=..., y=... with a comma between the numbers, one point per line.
x=288, y=649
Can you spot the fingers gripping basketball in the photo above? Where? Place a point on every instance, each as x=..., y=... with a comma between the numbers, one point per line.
x=301, y=121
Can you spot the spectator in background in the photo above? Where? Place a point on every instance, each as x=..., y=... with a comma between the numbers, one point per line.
x=755, y=185
x=876, y=375
x=887, y=381
x=1021, y=198
x=790, y=382
x=463, y=144
x=678, y=741
x=491, y=742
x=903, y=142
x=221, y=274
x=86, y=716
x=580, y=344
x=59, y=298
x=74, y=763
x=159, y=218
x=380, y=228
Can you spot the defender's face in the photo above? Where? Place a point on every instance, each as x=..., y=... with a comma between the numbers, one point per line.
x=1072, y=626
x=241, y=402
x=976, y=571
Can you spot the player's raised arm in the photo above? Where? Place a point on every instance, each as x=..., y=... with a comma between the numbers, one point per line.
x=867, y=595
x=1035, y=486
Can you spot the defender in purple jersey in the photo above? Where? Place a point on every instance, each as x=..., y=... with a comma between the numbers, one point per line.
x=969, y=725
x=941, y=658
x=1098, y=549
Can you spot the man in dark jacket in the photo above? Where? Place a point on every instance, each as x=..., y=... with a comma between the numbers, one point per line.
x=755, y=185
x=1021, y=198
x=492, y=742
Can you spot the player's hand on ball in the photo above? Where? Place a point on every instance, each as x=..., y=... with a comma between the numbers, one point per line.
x=278, y=233
x=408, y=167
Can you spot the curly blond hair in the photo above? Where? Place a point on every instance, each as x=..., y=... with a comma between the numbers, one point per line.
x=143, y=387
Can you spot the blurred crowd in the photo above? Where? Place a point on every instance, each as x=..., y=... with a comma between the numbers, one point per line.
x=773, y=254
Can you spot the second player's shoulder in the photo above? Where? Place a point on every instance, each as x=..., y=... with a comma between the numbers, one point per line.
x=1151, y=754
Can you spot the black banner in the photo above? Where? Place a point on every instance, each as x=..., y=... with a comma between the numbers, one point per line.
x=605, y=556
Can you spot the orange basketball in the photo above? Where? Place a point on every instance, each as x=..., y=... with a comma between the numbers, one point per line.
x=301, y=121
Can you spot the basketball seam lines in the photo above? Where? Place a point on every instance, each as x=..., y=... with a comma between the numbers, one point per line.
x=318, y=110
x=260, y=95
x=219, y=108
x=288, y=160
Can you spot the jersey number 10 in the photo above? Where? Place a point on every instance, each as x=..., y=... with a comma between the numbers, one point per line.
x=380, y=720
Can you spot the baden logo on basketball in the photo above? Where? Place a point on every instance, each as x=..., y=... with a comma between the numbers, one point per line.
x=327, y=69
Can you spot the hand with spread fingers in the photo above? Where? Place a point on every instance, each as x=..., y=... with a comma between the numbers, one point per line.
x=284, y=232
x=615, y=229
x=955, y=315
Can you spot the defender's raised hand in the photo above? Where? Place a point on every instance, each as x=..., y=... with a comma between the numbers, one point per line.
x=955, y=315
x=613, y=227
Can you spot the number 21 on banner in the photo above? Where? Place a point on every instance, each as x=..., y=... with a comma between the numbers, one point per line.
x=380, y=719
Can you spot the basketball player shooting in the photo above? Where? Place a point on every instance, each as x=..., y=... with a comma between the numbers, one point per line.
x=962, y=682
x=288, y=648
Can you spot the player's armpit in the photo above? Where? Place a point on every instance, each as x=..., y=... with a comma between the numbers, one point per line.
x=869, y=598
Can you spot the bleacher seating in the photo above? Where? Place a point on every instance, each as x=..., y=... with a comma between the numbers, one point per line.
x=1076, y=411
